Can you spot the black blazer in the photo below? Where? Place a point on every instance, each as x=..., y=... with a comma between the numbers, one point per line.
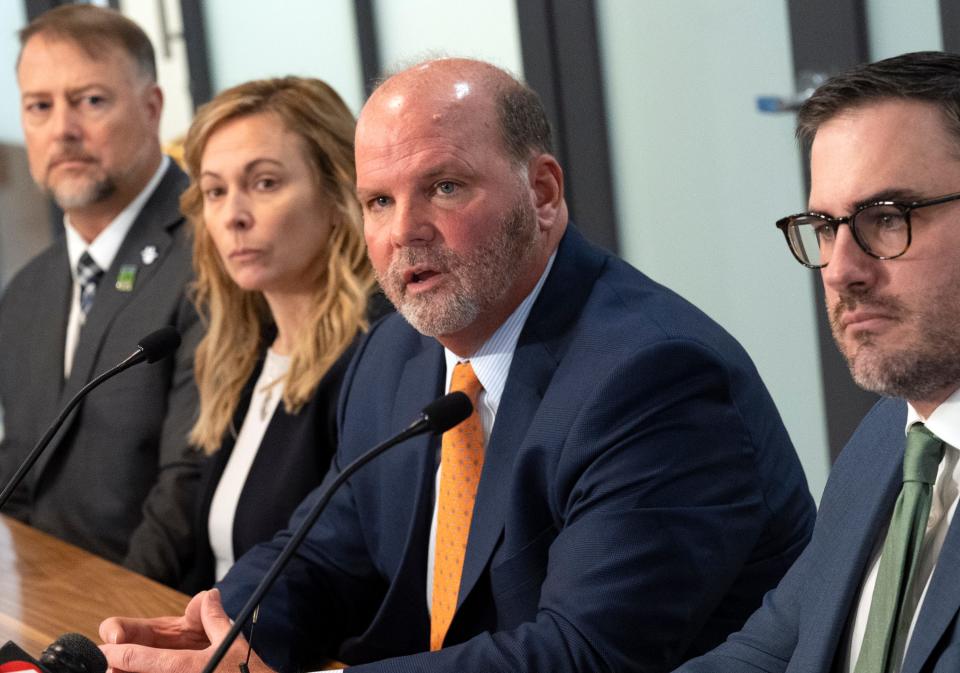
x=292, y=460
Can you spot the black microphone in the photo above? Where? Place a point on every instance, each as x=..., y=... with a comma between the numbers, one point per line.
x=155, y=346
x=442, y=414
x=436, y=418
x=70, y=653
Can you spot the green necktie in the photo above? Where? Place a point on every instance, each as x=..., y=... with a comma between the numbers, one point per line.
x=885, y=636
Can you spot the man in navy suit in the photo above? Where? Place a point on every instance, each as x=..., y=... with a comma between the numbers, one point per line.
x=638, y=493
x=884, y=229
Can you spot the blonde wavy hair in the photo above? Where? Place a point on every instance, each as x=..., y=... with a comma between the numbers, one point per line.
x=236, y=318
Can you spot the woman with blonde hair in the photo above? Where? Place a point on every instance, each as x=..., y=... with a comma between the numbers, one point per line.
x=283, y=284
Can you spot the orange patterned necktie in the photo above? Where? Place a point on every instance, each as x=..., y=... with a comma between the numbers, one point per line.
x=461, y=459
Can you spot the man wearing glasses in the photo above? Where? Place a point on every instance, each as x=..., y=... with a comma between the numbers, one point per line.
x=878, y=588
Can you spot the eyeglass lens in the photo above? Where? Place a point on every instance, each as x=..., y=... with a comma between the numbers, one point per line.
x=881, y=230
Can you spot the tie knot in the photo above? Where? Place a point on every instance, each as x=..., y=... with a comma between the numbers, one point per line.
x=87, y=269
x=923, y=454
x=465, y=380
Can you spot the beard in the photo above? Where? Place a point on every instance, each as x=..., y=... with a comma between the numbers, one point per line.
x=929, y=361
x=476, y=281
x=78, y=189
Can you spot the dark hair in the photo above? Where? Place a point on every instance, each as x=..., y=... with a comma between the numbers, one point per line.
x=523, y=122
x=93, y=28
x=926, y=76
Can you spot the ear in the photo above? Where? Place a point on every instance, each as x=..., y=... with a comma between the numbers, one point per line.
x=546, y=185
x=153, y=102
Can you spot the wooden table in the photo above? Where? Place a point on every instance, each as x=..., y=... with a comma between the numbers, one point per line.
x=49, y=587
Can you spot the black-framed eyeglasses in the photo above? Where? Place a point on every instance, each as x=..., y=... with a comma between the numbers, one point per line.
x=880, y=228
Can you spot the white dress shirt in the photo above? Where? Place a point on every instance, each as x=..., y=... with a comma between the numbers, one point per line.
x=103, y=249
x=944, y=422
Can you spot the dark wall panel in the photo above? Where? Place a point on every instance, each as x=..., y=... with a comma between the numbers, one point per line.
x=198, y=61
x=367, y=43
x=950, y=25
x=830, y=36
x=561, y=61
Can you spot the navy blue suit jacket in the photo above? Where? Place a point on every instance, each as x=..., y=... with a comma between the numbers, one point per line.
x=803, y=624
x=639, y=495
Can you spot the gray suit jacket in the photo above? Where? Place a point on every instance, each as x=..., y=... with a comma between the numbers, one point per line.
x=115, y=471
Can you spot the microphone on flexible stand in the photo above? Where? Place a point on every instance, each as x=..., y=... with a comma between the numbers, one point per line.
x=155, y=346
x=436, y=418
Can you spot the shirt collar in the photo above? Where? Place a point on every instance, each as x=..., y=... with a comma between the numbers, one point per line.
x=944, y=422
x=104, y=248
x=491, y=362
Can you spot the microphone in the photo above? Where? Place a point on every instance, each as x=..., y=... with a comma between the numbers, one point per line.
x=442, y=414
x=436, y=418
x=155, y=346
x=70, y=653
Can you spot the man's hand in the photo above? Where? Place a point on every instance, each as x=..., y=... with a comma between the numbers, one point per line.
x=174, y=644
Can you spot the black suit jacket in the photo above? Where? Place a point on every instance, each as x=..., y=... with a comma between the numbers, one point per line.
x=113, y=477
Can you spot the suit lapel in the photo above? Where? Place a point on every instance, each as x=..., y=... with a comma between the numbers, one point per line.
x=150, y=229
x=854, y=525
x=538, y=353
x=420, y=383
x=844, y=576
x=160, y=214
x=940, y=604
x=110, y=301
x=529, y=376
x=50, y=330
x=413, y=465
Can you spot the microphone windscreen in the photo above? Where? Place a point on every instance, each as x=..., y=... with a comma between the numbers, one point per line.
x=447, y=411
x=73, y=652
x=158, y=345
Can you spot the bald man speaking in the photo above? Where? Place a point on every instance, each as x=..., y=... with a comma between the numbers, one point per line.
x=624, y=493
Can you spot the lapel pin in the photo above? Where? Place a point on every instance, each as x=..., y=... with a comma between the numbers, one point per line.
x=126, y=277
x=149, y=255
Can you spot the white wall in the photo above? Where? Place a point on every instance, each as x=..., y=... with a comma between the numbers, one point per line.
x=896, y=27
x=173, y=72
x=411, y=30
x=701, y=177
x=12, y=18
x=252, y=39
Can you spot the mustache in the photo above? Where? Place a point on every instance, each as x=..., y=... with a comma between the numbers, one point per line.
x=433, y=256
x=69, y=155
x=437, y=257
x=850, y=301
